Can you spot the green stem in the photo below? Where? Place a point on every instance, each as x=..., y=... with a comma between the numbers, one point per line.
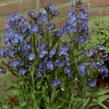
x=33, y=88
x=38, y=5
x=33, y=91
x=71, y=102
x=34, y=44
x=48, y=40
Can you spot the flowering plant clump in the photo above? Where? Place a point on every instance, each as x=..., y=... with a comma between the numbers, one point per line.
x=51, y=73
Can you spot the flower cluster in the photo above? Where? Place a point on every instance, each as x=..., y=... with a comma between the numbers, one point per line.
x=96, y=62
x=103, y=67
x=35, y=46
x=52, y=64
x=77, y=23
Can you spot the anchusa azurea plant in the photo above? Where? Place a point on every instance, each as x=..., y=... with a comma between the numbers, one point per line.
x=52, y=72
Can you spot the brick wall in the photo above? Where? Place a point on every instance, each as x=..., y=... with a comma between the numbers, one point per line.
x=99, y=7
x=95, y=7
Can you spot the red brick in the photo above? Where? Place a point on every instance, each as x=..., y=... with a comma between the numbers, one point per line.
x=60, y=23
x=63, y=11
x=58, y=1
x=99, y=3
x=100, y=12
x=43, y=2
x=94, y=14
x=16, y=6
x=2, y=23
x=106, y=11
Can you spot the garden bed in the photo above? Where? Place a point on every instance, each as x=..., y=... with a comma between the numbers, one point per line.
x=55, y=67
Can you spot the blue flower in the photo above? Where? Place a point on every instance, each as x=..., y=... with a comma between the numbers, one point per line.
x=59, y=63
x=80, y=39
x=70, y=29
x=104, y=70
x=18, y=23
x=39, y=74
x=58, y=33
x=14, y=17
x=55, y=83
x=24, y=45
x=45, y=60
x=52, y=53
x=90, y=54
x=2, y=52
x=105, y=57
x=16, y=39
x=83, y=23
x=31, y=57
x=50, y=65
x=63, y=50
x=101, y=48
x=83, y=14
x=22, y=71
x=82, y=69
x=50, y=7
x=9, y=52
x=15, y=63
x=43, y=53
x=42, y=17
x=50, y=26
x=84, y=27
x=41, y=70
x=72, y=17
x=42, y=45
x=42, y=67
x=34, y=28
x=25, y=48
x=55, y=13
x=40, y=32
x=8, y=37
x=66, y=59
x=68, y=72
x=71, y=13
x=92, y=83
x=33, y=14
x=24, y=26
x=95, y=64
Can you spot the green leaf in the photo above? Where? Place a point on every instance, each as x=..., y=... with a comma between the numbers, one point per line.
x=10, y=88
x=97, y=92
x=102, y=92
x=5, y=107
x=63, y=100
x=17, y=108
x=54, y=95
x=86, y=102
x=23, y=104
x=103, y=106
x=9, y=82
x=38, y=4
x=103, y=98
